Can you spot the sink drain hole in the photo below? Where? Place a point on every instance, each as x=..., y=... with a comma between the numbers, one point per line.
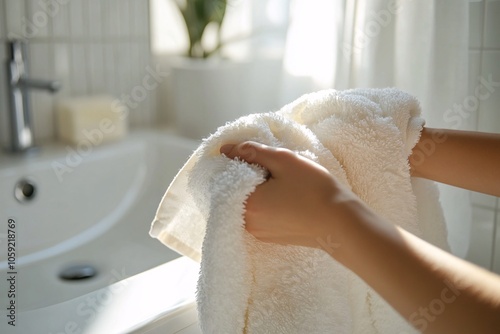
x=25, y=190
x=78, y=272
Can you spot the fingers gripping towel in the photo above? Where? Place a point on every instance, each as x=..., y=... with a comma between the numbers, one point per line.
x=363, y=137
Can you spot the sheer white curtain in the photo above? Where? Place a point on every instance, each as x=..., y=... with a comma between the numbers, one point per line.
x=418, y=46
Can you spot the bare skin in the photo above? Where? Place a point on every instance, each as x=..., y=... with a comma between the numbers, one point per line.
x=434, y=290
x=465, y=159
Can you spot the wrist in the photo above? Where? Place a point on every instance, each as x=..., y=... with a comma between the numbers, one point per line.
x=351, y=227
x=339, y=216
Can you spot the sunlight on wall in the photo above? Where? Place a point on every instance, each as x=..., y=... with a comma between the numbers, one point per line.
x=311, y=41
x=168, y=33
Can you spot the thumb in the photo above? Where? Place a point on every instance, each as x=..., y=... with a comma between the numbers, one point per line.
x=254, y=153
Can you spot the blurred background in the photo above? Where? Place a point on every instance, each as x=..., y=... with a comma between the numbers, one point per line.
x=446, y=53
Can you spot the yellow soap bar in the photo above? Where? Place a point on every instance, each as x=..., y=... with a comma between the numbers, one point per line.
x=91, y=119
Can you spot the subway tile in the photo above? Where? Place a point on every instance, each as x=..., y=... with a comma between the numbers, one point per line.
x=3, y=53
x=62, y=67
x=496, y=248
x=489, y=113
x=470, y=122
x=15, y=20
x=151, y=108
x=492, y=25
x=77, y=18
x=131, y=17
x=134, y=119
x=111, y=19
x=42, y=104
x=135, y=58
x=95, y=18
x=39, y=18
x=134, y=19
x=124, y=14
x=145, y=57
x=105, y=22
x=145, y=64
x=123, y=72
x=61, y=21
x=164, y=101
x=41, y=67
x=78, y=70
x=481, y=237
x=96, y=69
x=145, y=109
x=3, y=58
x=39, y=59
x=135, y=92
x=105, y=63
x=54, y=8
x=2, y=20
x=115, y=18
x=474, y=70
x=110, y=70
x=145, y=21
x=141, y=18
x=136, y=70
x=476, y=21
x=4, y=104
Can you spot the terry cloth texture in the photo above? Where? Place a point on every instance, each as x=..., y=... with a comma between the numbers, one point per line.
x=363, y=137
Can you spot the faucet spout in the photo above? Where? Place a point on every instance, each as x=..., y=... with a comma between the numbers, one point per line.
x=21, y=125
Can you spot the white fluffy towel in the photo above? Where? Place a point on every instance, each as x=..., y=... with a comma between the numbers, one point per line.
x=363, y=137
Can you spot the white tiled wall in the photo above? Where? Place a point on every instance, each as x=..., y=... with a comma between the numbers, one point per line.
x=90, y=46
x=484, y=61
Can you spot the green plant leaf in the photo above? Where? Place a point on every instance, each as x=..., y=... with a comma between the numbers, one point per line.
x=198, y=14
x=216, y=10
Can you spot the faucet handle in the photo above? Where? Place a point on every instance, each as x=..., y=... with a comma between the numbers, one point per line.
x=16, y=50
x=17, y=57
x=51, y=86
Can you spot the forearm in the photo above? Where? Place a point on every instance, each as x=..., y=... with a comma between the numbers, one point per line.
x=417, y=278
x=302, y=204
x=464, y=159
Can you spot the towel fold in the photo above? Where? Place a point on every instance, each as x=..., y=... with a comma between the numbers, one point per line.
x=363, y=137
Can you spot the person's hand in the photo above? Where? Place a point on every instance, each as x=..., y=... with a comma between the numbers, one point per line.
x=302, y=204
x=300, y=201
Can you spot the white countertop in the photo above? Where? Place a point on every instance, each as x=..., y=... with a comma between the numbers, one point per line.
x=154, y=296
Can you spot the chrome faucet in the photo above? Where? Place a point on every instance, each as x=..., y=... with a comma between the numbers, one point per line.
x=18, y=86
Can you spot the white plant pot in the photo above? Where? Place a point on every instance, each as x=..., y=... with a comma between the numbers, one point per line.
x=208, y=93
